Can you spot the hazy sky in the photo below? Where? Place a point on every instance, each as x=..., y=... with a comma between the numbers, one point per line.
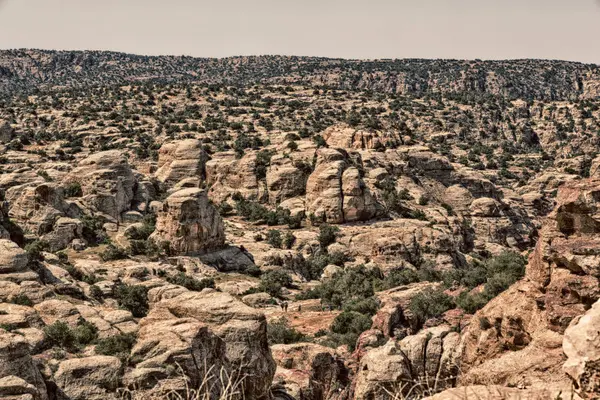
x=486, y=29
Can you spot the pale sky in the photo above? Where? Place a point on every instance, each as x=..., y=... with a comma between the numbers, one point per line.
x=485, y=29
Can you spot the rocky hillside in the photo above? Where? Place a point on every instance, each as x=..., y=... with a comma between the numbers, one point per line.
x=28, y=70
x=166, y=235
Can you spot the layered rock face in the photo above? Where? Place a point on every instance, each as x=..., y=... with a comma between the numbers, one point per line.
x=520, y=337
x=189, y=223
x=336, y=192
x=180, y=160
x=107, y=182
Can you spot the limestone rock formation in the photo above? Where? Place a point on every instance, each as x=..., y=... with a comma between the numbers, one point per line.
x=189, y=223
x=181, y=159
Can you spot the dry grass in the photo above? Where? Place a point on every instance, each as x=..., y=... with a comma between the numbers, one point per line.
x=215, y=385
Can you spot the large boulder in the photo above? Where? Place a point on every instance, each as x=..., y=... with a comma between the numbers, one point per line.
x=226, y=175
x=176, y=348
x=15, y=360
x=410, y=366
x=14, y=263
x=581, y=345
x=89, y=378
x=107, y=182
x=336, y=192
x=6, y=132
x=38, y=207
x=310, y=371
x=189, y=223
x=179, y=160
x=284, y=180
x=242, y=329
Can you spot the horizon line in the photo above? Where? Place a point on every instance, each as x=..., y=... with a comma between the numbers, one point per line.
x=383, y=59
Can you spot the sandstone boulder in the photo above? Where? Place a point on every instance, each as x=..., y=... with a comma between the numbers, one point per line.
x=336, y=192
x=242, y=329
x=107, y=182
x=412, y=365
x=16, y=361
x=310, y=371
x=581, y=345
x=181, y=159
x=93, y=378
x=190, y=223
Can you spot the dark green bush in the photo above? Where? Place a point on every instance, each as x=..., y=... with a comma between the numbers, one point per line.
x=118, y=345
x=133, y=299
x=274, y=238
x=429, y=304
x=73, y=190
x=272, y=282
x=327, y=235
x=22, y=300
x=191, y=283
x=113, y=252
x=280, y=332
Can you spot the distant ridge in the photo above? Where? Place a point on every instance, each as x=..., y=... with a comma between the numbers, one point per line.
x=26, y=71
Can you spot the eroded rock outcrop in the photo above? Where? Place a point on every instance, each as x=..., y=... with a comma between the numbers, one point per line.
x=179, y=160
x=518, y=340
x=107, y=182
x=412, y=365
x=16, y=361
x=190, y=322
x=336, y=192
x=189, y=223
x=310, y=371
x=582, y=348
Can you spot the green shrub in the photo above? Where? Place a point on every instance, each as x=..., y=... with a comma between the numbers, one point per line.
x=133, y=299
x=96, y=293
x=34, y=250
x=60, y=334
x=288, y=240
x=93, y=230
x=280, y=332
x=73, y=190
x=327, y=235
x=118, y=345
x=272, y=282
x=85, y=332
x=191, y=283
x=22, y=300
x=274, y=238
x=428, y=304
x=113, y=252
